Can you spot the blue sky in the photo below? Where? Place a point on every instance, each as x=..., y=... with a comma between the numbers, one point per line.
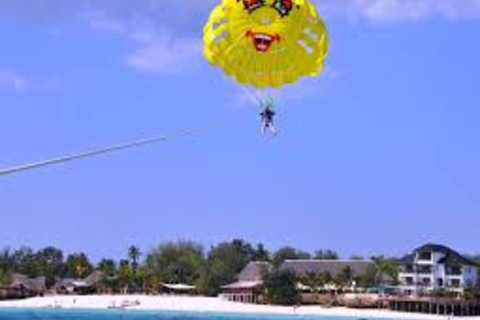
x=376, y=156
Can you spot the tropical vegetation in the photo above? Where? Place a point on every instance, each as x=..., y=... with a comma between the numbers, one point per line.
x=189, y=263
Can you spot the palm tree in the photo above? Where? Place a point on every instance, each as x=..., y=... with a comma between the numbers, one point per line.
x=6, y=268
x=78, y=265
x=386, y=267
x=151, y=282
x=345, y=277
x=308, y=279
x=328, y=278
x=321, y=281
x=141, y=279
x=134, y=255
x=107, y=267
x=125, y=275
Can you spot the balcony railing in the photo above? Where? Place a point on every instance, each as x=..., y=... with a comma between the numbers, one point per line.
x=425, y=272
x=416, y=284
x=409, y=270
x=407, y=274
x=418, y=269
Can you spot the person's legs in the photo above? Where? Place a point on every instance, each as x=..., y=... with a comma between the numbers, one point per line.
x=272, y=128
x=274, y=131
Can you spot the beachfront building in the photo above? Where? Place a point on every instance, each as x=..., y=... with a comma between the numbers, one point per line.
x=432, y=268
x=88, y=285
x=23, y=286
x=179, y=289
x=249, y=286
x=72, y=287
x=349, y=269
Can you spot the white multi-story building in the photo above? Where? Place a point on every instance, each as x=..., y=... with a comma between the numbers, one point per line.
x=434, y=267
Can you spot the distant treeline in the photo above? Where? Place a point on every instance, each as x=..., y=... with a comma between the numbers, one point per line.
x=171, y=262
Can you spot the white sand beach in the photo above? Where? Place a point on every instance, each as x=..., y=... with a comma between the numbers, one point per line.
x=199, y=304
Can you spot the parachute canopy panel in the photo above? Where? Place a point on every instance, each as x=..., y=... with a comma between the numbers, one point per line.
x=266, y=43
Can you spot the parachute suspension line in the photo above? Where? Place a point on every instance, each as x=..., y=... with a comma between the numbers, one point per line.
x=260, y=94
x=256, y=95
x=87, y=154
x=259, y=97
x=252, y=96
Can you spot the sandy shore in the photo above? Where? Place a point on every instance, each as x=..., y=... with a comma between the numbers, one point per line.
x=199, y=304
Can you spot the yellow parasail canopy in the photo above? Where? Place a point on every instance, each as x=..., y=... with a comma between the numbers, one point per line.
x=266, y=43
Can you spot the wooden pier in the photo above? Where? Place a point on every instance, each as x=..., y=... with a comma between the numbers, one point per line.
x=436, y=306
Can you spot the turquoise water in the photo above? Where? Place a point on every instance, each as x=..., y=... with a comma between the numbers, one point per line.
x=55, y=314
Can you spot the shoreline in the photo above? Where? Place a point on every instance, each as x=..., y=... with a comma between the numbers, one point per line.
x=202, y=305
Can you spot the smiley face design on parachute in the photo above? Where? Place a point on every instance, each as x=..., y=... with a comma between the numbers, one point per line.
x=266, y=43
x=267, y=14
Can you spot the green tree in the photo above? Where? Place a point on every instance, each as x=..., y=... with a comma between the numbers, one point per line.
x=309, y=279
x=207, y=284
x=326, y=255
x=261, y=254
x=108, y=267
x=110, y=279
x=318, y=281
x=6, y=268
x=151, y=282
x=383, y=270
x=141, y=279
x=78, y=265
x=288, y=253
x=469, y=294
x=5, y=277
x=369, y=278
x=125, y=273
x=225, y=261
x=24, y=262
x=50, y=264
x=345, y=277
x=322, y=279
x=280, y=288
x=387, y=270
x=134, y=256
x=176, y=262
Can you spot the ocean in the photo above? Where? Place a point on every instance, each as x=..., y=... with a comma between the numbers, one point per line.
x=58, y=314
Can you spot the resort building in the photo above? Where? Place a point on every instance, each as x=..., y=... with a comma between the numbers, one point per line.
x=249, y=286
x=84, y=286
x=333, y=268
x=23, y=286
x=178, y=289
x=72, y=287
x=432, y=268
